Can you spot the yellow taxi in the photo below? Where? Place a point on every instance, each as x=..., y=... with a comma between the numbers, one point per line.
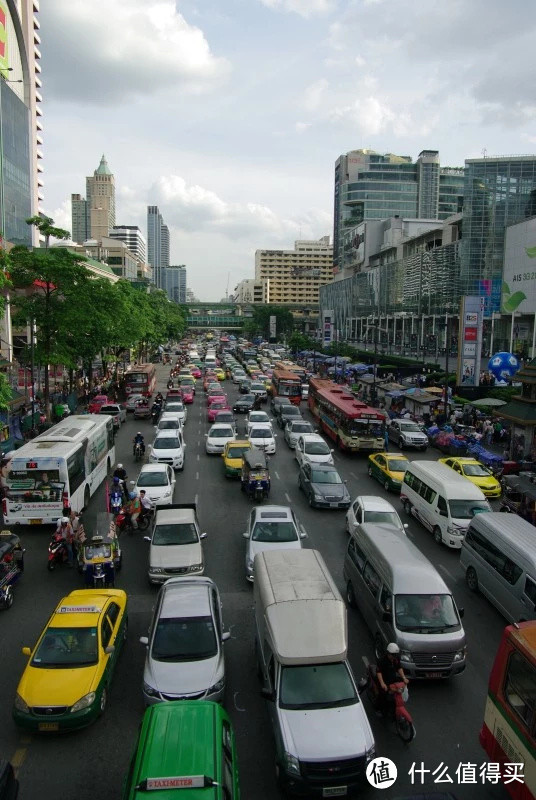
x=66, y=681
x=388, y=469
x=475, y=472
x=220, y=373
x=232, y=457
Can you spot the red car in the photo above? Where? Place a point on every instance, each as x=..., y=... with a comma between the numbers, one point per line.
x=188, y=394
x=96, y=403
x=215, y=408
x=196, y=372
x=216, y=397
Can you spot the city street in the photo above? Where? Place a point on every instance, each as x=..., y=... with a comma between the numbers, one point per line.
x=92, y=763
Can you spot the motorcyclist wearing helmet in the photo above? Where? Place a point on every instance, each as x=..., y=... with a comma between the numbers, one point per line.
x=159, y=398
x=389, y=669
x=120, y=472
x=65, y=530
x=138, y=439
x=133, y=509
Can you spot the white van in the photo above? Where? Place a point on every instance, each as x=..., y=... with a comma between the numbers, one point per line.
x=499, y=559
x=443, y=501
x=323, y=738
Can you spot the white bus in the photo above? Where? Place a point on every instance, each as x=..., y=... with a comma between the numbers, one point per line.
x=59, y=469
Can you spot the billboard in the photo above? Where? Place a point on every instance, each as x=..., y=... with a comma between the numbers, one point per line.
x=327, y=327
x=519, y=272
x=4, y=55
x=472, y=311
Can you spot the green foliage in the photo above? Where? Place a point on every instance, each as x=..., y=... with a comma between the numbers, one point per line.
x=259, y=323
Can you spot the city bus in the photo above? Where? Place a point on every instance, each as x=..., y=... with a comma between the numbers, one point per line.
x=286, y=384
x=61, y=468
x=290, y=366
x=140, y=379
x=508, y=734
x=353, y=425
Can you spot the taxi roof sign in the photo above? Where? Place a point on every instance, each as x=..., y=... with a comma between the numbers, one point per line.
x=78, y=610
x=177, y=782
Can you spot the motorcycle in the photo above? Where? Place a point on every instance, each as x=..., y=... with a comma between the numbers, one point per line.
x=57, y=551
x=124, y=523
x=116, y=501
x=138, y=451
x=155, y=412
x=390, y=704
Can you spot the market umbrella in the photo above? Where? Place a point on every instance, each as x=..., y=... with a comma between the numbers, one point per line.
x=489, y=402
x=434, y=390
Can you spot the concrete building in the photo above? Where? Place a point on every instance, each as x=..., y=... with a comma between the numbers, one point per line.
x=369, y=185
x=249, y=291
x=174, y=282
x=133, y=238
x=112, y=252
x=157, y=244
x=79, y=219
x=295, y=276
x=94, y=216
x=190, y=296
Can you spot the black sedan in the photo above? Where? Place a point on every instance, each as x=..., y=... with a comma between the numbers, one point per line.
x=323, y=486
x=278, y=401
x=244, y=404
x=244, y=386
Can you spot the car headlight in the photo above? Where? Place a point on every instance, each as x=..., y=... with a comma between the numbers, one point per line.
x=167, y=494
x=292, y=764
x=21, y=704
x=405, y=655
x=371, y=752
x=149, y=690
x=84, y=702
x=318, y=497
x=217, y=687
x=196, y=567
x=460, y=654
x=249, y=563
x=156, y=570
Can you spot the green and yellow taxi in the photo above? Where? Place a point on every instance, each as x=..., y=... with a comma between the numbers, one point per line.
x=184, y=745
x=475, y=472
x=67, y=678
x=388, y=469
x=220, y=373
x=232, y=457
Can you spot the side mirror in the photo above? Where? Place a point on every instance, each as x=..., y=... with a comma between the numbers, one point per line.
x=345, y=481
x=225, y=636
x=26, y=651
x=406, y=525
x=109, y=650
x=303, y=535
x=245, y=535
x=461, y=612
x=144, y=640
x=132, y=483
x=222, y=455
x=203, y=536
x=268, y=694
x=146, y=538
x=206, y=435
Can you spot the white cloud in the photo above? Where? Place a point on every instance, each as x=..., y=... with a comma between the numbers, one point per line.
x=62, y=216
x=305, y=8
x=314, y=94
x=301, y=127
x=109, y=52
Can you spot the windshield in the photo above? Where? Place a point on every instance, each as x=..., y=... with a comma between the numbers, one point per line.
x=301, y=427
x=175, y=533
x=476, y=471
x=467, y=509
x=290, y=411
x=316, y=686
x=221, y=433
x=317, y=448
x=184, y=639
x=260, y=433
x=410, y=426
x=274, y=532
x=365, y=427
x=397, y=465
x=425, y=613
x=237, y=452
x=248, y=398
x=92, y=551
x=325, y=476
x=383, y=518
x=169, y=424
x=152, y=479
x=224, y=417
x=166, y=443
x=66, y=647
x=257, y=387
x=174, y=407
x=259, y=416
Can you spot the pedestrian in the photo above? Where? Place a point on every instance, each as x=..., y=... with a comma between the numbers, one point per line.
x=386, y=438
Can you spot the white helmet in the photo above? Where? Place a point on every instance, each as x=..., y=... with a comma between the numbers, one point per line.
x=119, y=466
x=64, y=520
x=393, y=648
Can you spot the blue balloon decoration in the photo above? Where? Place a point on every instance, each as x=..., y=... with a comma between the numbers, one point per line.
x=503, y=366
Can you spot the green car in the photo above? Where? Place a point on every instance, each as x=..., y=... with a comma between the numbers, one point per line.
x=388, y=469
x=188, y=744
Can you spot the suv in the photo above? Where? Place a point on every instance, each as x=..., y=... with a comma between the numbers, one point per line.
x=259, y=390
x=168, y=448
x=175, y=543
x=185, y=643
x=406, y=433
x=271, y=528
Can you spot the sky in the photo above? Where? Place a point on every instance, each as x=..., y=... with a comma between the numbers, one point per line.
x=230, y=114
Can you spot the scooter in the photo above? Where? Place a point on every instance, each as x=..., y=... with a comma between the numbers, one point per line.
x=138, y=451
x=155, y=412
x=124, y=524
x=391, y=705
x=57, y=551
x=116, y=501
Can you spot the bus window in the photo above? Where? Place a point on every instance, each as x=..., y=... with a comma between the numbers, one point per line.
x=76, y=470
x=520, y=688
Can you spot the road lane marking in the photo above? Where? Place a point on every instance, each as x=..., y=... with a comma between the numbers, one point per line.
x=353, y=475
x=18, y=758
x=276, y=474
x=196, y=498
x=447, y=572
x=198, y=456
x=365, y=661
x=288, y=498
x=197, y=476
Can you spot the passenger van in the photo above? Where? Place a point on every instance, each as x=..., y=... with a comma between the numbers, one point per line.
x=499, y=558
x=443, y=501
x=403, y=599
x=323, y=739
x=184, y=745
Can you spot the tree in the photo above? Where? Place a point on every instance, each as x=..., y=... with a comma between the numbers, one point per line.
x=45, y=225
x=259, y=323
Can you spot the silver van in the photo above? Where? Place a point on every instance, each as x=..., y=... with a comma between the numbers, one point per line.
x=403, y=599
x=498, y=557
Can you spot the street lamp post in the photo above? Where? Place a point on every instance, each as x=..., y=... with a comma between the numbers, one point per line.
x=373, y=393
x=32, y=367
x=447, y=340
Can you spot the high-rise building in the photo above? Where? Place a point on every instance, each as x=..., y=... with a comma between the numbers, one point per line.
x=132, y=237
x=157, y=244
x=190, y=296
x=499, y=191
x=94, y=216
x=294, y=276
x=80, y=219
x=174, y=282
x=249, y=291
x=369, y=185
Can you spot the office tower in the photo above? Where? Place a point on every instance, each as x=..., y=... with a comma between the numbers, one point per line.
x=174, y=282
x=80, y=219
x=164, y=248
x=100, y=196
x=133, y=238
x=157, y=244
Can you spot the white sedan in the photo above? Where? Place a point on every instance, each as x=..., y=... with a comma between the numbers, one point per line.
x=312, y=449
x=263, y=437
x=218, y=436
x=255, y=418
x=158, y=480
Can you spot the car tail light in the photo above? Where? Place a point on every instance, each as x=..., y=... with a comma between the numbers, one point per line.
x=4, y=506
x=65, y=499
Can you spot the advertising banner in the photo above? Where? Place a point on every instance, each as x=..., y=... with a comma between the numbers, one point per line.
x=519, y=274
x=273, y=329
x=472, y=310
x=327, y=327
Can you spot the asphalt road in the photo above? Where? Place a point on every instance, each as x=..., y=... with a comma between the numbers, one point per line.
x=92, y=763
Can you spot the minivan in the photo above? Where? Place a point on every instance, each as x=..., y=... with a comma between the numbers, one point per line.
x=498, y=558
x=443, y=501
x=184, y=745
x=403, y=599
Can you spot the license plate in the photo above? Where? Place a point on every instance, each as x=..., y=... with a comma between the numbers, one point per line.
x=48, y=726
x=334, y=791
x=333, y=505
x=433, y=674
x=35, y=521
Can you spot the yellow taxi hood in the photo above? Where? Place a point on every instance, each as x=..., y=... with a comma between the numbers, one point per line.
x=397, y=476
x=57, y=687
x=487, y=481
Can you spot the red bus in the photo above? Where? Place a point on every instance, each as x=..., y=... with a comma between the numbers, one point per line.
x=508, y=734
x=352, y=424
x=141, y=379
x=286, y=384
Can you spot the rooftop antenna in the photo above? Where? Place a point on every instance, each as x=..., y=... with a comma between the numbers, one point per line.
x=484, y=152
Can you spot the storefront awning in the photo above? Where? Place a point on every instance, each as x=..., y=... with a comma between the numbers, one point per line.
x=518, y=411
